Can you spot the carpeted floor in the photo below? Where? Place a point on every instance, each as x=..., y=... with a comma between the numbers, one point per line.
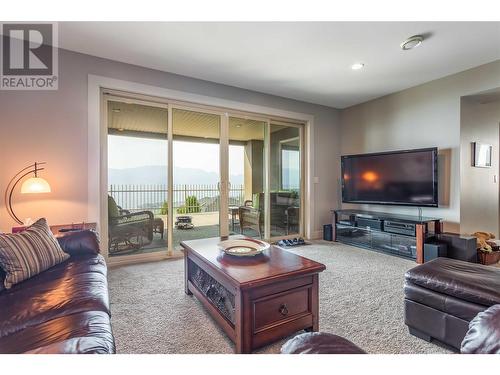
x=361, y=298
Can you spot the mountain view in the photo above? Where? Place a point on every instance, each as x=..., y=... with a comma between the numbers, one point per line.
x=157, y=174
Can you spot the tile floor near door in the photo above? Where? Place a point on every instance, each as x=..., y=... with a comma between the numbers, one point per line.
x=361, y=298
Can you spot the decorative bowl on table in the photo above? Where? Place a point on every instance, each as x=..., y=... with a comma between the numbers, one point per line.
x=244, y=247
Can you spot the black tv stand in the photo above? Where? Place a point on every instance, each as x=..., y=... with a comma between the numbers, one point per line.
x=402, y=235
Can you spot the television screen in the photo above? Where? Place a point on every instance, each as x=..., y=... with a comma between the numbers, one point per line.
x=399, y=177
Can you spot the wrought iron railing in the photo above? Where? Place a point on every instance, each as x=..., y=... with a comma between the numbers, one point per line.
x=186, y=198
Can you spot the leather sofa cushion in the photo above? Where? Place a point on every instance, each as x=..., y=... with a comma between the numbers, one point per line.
x=320, y=343
x=471, y=282
x=457, y=307
x=483, y=336
x=86, y=332
x=82, y=242
x=76, y=285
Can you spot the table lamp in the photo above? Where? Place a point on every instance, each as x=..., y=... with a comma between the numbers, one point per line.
x=32, y=185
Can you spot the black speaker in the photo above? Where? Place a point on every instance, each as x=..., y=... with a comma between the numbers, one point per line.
x=327, y=232
x=459, y=247
x=434, y=250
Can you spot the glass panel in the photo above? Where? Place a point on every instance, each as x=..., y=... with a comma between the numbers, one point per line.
x=196, y=175
x=137, y=178
x=246, y=176
x=285, y=172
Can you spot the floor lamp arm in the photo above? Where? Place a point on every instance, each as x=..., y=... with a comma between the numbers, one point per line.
x=33, y=168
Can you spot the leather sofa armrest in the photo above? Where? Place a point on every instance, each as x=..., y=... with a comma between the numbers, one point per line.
x=80, y=243
x=483, y=336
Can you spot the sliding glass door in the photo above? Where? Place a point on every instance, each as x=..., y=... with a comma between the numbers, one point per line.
x=247, y=176
x=285, y=179
x=196, y=198
x=137, y=178
x=178, y=173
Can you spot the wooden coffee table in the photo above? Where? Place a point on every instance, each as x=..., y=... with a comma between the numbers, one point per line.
x=256, y=300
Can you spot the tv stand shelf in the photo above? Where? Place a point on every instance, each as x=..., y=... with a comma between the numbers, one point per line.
x=366, y=229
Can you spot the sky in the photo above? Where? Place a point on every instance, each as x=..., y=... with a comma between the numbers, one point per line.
x=130, y=152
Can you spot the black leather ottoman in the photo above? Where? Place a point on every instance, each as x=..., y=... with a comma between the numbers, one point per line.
x=320, y=343
x=442, y=296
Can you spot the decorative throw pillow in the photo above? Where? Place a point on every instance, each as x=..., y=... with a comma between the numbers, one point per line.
x=28, y=253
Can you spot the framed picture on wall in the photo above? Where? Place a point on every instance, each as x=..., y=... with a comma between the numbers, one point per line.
x=481, y=155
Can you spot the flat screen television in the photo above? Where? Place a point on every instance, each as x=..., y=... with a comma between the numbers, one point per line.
x=408, y=178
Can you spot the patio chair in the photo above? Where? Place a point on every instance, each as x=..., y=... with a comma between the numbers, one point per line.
x=251, y=217
x=292, y=216
x=128, y=230
x=285, y=212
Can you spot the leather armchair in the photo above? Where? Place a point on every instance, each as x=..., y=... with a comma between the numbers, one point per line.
x=320, y=343
x=483, y=336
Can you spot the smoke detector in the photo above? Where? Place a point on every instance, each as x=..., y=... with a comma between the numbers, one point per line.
x=412, y=42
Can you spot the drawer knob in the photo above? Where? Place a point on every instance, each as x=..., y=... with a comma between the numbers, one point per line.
x=283, y=310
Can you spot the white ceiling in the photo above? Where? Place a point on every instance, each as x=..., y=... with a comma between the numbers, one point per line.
x=304, y=61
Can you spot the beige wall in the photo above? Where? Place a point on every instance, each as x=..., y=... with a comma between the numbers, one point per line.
x=53, y=127
x=479, y=187
x=424, y=116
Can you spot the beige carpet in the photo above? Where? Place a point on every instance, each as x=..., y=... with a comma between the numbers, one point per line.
x=361, y=298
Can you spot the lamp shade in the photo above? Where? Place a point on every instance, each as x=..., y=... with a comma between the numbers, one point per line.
x=35, y=185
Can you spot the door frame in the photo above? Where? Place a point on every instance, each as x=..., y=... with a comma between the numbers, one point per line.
x=97, y=143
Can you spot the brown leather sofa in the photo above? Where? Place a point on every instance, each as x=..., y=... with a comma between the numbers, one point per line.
x=442, y=296
x=65, y=309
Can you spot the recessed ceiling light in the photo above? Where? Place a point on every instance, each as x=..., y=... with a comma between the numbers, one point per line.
x=412, y=42
x=357, y=66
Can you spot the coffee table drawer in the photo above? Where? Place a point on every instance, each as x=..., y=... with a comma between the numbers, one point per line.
x=279, y=307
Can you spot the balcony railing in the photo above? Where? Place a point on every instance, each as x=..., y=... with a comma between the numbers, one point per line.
x=154, y=198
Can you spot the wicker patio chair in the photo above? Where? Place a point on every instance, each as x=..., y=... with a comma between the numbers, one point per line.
x=250, y=218
x=128, y=230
